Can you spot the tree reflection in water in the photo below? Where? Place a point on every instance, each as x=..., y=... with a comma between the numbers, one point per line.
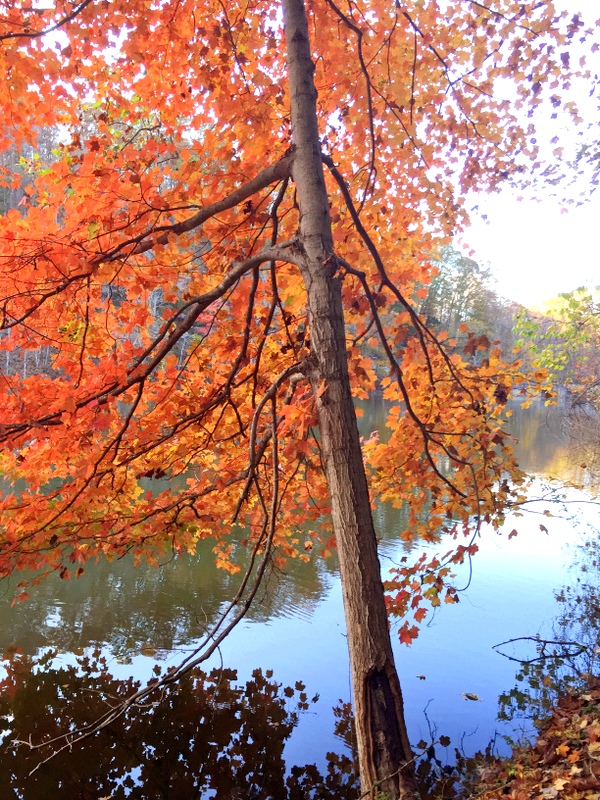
x=208, y=737
x=550, y=670
x=582, y=428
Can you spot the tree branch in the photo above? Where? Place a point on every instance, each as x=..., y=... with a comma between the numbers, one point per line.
x=36, y=34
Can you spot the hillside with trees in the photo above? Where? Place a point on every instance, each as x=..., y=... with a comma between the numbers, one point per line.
x=461, y=299
x=563, y=335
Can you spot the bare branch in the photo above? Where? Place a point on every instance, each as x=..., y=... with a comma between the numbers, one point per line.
x=36, y=34
x=210, y=642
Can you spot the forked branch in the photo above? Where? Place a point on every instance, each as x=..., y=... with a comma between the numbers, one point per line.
x=238, y=607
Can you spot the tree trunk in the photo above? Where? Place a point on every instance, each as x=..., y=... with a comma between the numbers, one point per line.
x=385, y=758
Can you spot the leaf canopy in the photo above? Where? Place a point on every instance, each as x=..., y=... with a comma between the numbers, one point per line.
x=153, y=314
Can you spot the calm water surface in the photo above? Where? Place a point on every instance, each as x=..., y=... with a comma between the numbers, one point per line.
x=117, y=623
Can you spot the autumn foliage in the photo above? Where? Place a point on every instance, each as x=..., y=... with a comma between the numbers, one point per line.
x=154, y=257
x=562, y=763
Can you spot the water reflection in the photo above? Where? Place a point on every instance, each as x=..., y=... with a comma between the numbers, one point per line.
x=559, y=442
x=582, y=427
x=209, y=736
x=153, y=610
x=125, y=610
x=551, y=669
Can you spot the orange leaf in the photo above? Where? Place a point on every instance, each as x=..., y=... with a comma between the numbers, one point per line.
x=408, y=635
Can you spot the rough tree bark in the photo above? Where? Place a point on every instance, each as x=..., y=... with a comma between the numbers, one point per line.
x=385, y=758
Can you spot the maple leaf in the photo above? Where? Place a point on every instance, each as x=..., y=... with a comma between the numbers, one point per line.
x=420, y=614
x=408, y=634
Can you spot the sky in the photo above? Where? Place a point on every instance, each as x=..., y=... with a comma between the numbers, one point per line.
x=536, y=249
x=539, y=249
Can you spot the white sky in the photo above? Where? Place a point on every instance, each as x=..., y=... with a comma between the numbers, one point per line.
x=537, y=249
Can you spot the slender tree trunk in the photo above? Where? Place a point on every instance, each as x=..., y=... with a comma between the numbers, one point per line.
x=385, y=758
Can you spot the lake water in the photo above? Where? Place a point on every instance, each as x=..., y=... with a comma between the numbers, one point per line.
x=74, y=643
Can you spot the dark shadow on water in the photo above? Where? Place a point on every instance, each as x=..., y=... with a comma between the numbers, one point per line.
x=208, y=737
